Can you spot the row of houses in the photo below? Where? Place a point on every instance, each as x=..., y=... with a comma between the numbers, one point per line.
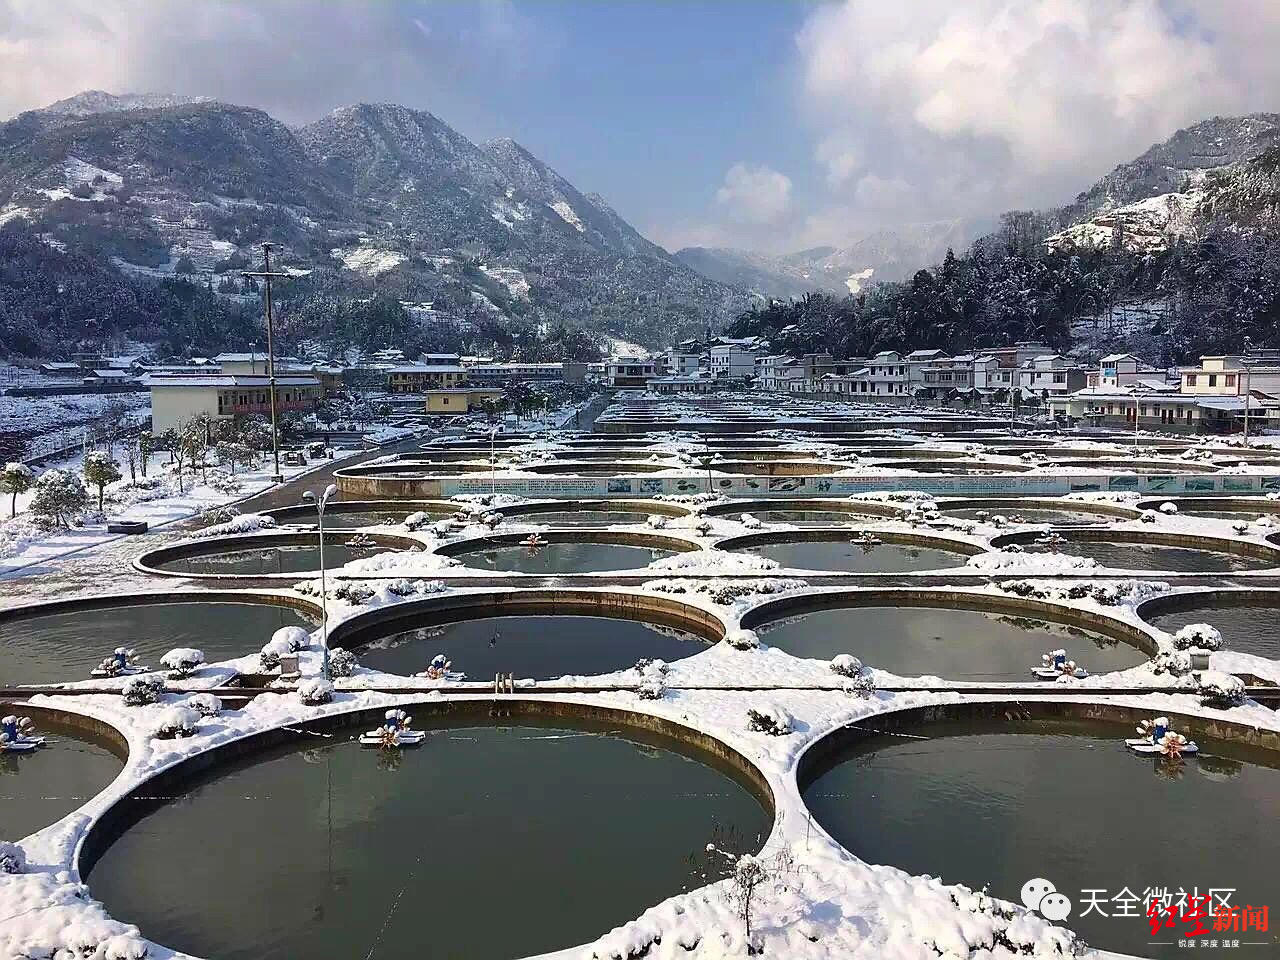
x=1221, y=394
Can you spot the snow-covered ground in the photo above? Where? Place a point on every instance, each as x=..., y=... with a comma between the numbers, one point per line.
x=157, y=499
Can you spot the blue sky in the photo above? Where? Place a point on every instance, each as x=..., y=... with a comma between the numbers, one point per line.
x=769, y=124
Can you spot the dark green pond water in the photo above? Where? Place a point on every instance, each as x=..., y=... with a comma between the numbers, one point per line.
x=563, y=557
x=984, y=804
x=845, y=557
x=39, y=788
x=496, y=843
x=66, y=646
x=574, y=518
x=1248, y=629
x=954, y=644
x=817, y=518
x=1140, y=556
x=1017, y=514
x=529, y=646
x=364, y=518
x=283, y=559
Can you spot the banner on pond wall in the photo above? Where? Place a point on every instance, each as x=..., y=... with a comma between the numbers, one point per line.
x=824, y=486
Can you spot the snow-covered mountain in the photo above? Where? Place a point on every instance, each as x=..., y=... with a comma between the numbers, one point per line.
x=380, y=195
x=875, y=256
x=1224, y=168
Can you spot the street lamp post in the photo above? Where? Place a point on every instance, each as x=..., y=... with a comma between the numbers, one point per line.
x=1136, y=397
x=493, y=462
x=321, y=503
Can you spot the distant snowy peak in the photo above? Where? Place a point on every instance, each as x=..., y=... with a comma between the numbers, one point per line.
x=88, y=102
x=885, y=255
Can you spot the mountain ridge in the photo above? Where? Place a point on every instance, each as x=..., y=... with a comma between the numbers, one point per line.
x=373, y=197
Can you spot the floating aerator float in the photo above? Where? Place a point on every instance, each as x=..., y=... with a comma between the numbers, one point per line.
x=16, y=735
x=1158, y=740
x=438, y=669
x=1055, y=665
x=122, y=663
x=865, y=539
x=393, y=733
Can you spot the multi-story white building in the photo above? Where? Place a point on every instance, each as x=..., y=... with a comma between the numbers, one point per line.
x=734, y=359
x=630, y=372
x=1052, y=375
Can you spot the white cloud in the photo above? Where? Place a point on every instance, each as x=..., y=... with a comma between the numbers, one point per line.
x=755, y=194
x=295, y=58
x=977, y=107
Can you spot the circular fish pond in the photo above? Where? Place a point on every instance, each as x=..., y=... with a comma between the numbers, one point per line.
x=843, y=555
x=1247, y=626
x=62, y=646
x=988, y=802
x=464, y=847
x=553, y=555
x=41, y=787
x=260, y=556
x=1137, y=555
x=541, y=647
x=940, y=641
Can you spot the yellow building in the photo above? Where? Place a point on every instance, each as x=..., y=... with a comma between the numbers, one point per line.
x=177, y=399
x=449, y=400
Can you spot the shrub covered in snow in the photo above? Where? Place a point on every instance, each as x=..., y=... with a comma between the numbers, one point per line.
x=177, y=721
x=314, y=691
x=1168, y=507
x=353, y=592
x=652, y=687
x=846, y=665
x=1198, y=636
x=742, y=639
x=140, y=691
x=1109, y=594
x=205, y=704
x=418, y=520
x=774, y=721
x=12, y=858
x=861, y=686
x=295, y=637
x=726, y=592
x=1007, y=558
x=246, y=523
x=182, y=661
x=272, y=650
x=1175, y=663
x=715, y=561
x=342, y=663
x=1221, y=690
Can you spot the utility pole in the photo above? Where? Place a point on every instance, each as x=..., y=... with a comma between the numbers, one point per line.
x=267, y=275
x=1244, y=362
